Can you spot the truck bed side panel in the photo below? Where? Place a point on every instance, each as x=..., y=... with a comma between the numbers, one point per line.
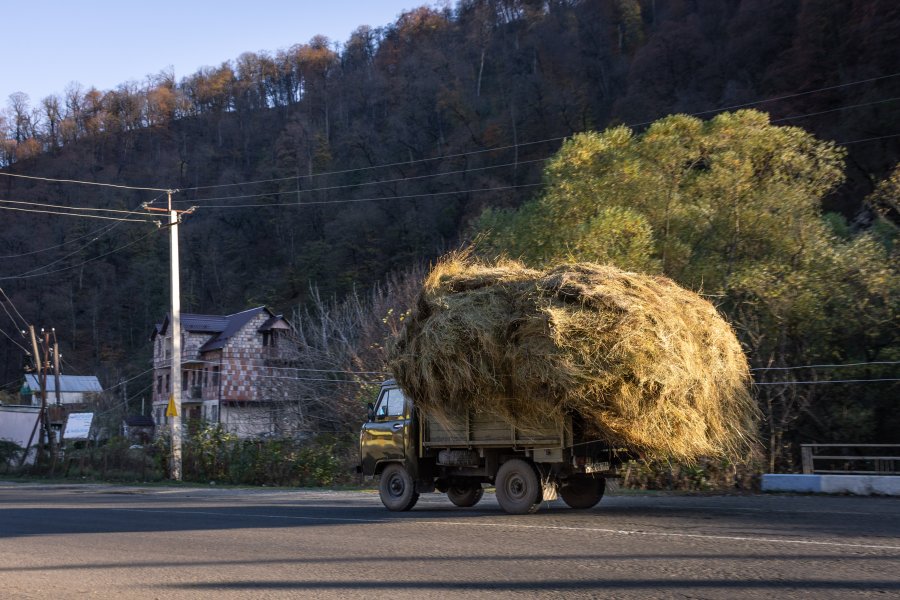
x=487, y=430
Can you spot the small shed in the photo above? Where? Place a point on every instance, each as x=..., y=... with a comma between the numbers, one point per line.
x=138, y=428
x=73, y=389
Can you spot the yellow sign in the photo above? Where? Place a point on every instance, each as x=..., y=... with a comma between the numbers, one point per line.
x=171, y=411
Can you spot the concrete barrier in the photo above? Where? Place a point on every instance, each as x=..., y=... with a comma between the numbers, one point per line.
x=858, y=485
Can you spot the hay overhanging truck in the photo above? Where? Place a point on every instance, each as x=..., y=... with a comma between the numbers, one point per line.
x=414, y=451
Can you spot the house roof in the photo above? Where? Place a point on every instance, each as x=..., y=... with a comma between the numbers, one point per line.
x=221, y=327
x=234, y=324
x=139, y=421
x=67, y=383
x=276, y=322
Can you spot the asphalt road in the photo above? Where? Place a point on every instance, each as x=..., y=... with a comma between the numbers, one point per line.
x=72, y=541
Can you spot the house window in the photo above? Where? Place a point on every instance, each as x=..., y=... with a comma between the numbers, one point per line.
x=168, y=384
x=214, y=413
x=215, y=380
x=159, y=387
x=184, y=381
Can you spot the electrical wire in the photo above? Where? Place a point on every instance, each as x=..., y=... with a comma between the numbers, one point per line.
x=401, y=197
x=354, y=185
x=15, y=310
x=831, y=110
x=870, y=139
x=824, y=366
x=25, y=350
x=112, y=387
x=80, y=208
x=113, y=251
x=547, y=140
x=122, y=403
x=49, y=212
x=78, y=181
x=786, y=97
x=359, y=382
x=382, y=166
x=98, y=231
x=823, y=381
x=73, y=253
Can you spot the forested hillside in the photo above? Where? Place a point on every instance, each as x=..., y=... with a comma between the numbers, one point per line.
x=332, y=164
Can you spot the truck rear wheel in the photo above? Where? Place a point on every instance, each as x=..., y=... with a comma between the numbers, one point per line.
x=465, y=497
x=583, y=492
x=397, y=489
x=519, y=491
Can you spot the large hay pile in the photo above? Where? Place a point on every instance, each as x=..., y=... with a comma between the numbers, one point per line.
x=649, y=365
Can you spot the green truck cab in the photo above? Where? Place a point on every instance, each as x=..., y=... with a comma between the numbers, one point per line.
x=413, y=451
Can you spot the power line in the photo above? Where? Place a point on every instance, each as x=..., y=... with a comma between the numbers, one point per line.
x=402, y=197
x=15, y=310
x=64, y=207
x=547, y=140
x=356, y=381
x=49, y=212
x=786, y=97
x=824, y=366
x=831, y=110
x=78, y=181
x=113, y=251
x=15, y=342
x=870, y=139
x=112, y=387
x=353, y=185
x=58, y=260
x=99, y=230
x=824, y=381
x=383, y=166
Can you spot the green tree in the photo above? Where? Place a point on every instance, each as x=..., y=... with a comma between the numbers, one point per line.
x=732, y=207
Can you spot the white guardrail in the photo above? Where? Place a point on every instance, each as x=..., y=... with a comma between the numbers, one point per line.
x=850, y=459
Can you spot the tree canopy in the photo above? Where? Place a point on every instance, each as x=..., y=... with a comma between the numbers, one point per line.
x=731, y=207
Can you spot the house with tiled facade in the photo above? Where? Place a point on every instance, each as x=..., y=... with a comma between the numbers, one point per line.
x=227, y=364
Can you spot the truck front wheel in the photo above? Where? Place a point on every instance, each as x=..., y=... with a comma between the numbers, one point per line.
x=583, y=492
x=518, y=489
x=465, y=497
x=396, y=488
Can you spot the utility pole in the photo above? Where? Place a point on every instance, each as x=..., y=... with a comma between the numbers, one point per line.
x=176, y=341
x=39, y=369
x=51, y=439
x=56, y=366
x=174, y=409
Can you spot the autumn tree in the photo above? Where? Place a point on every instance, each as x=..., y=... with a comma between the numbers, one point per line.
x=730, y=207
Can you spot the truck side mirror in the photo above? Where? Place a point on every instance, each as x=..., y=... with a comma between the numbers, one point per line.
x=370, y=411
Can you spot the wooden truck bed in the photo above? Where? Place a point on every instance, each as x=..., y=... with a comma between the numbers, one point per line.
x=482, y=430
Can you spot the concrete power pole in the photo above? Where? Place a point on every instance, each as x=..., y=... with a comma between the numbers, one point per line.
x=176, y=342
x=174, y=409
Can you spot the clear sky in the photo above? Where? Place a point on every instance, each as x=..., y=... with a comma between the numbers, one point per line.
x=103, y=43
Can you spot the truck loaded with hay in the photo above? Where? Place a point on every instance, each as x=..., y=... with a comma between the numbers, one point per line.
x=544, y=382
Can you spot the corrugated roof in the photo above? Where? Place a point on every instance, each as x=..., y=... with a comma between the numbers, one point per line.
x=67, y=383
x=235, y=322
x=225, y=326
x=195, y=323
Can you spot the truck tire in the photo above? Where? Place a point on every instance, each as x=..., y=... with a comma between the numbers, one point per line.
x=519, y=491
x=397, y=489
x=465, y=497
x=583, y=492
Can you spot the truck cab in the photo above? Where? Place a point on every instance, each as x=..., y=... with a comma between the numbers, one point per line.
x=413, y=451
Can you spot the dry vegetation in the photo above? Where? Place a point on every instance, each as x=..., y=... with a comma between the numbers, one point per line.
x=647, y=363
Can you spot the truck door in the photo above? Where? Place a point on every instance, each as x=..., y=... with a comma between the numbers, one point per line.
x=385, y=437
